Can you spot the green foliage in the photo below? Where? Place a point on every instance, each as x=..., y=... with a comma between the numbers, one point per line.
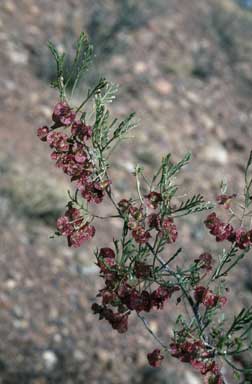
x=139, y=264
x=243, y=319
x=60, y=60
x=248, y=182
x=79, y=65
x=194, y=204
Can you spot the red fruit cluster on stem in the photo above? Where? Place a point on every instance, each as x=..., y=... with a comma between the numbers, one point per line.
x=155, y=358
x=119, y=291
x=239, y=237
x=195, y=353
x=206, y=297
x=72, y=154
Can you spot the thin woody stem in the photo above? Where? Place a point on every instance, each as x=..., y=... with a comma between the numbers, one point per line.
x=152, y=333
x=188, y=297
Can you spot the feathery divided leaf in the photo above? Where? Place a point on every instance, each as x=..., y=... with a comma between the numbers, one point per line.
x=60, y=60
x=168, y=170
x=125, y=126
x=241, y=320
x=248, y=182
x=193, y=204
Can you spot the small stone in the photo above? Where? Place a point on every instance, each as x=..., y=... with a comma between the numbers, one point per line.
x=215, y=152
x=50, y=360
x=128, y=166
x=104, y=356
x=34, y=98
x=18, y=312
x=190, y=378
x=78, y=355
x=57, y=338
x=193, y=97
x=151, y=101
x=140, y=67
x=153, y=326
x=9, y=6
x=163, y=87
x=18, y=57
x=46, y=111
x=207, y=121
x=29, y=283
x=20, y=324
x=11, y=284
x=118, y=61
x=9, y=85
x=34, y=9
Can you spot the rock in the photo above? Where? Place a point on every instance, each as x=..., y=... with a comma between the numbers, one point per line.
x=21, y=324
x=163, y=87
x=190, y=378
x=16, y=55
x=9, y=6
x=193, y=97
x=215, y=152
x=153, y=326
x=105, y=357
x=18, y=312
x=46, y=111
x=79, y=355
x=207, y=121
x=140, y=67
x=161, y=376
x=151, y=101
x=57, y=338
x=50, y=360
x=118, y=61
x=11, y=284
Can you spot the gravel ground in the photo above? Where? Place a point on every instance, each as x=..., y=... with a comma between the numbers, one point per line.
x=185, y=67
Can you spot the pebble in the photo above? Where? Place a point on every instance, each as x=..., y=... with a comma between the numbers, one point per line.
x=78, y=355
x=50, y=360
x=193, y=97
x=46, y=111
x=163, y=87
x=215, y=152
x=190, y=378
x=11, y=284
x=153, y=326
x=9, y=6
x=17, y=57
x=20, y=324
x=140, y=67
x=57, y=338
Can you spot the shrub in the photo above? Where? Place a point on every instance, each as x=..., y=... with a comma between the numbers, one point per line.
x=137, y=277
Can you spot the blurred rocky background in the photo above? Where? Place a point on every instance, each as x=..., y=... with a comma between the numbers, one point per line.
x=186, y=68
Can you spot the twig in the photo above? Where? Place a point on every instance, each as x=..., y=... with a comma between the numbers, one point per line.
x=152, y=333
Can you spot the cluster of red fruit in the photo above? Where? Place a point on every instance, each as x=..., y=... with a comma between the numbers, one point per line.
x=206, y=297
x=142, y=223
x=119, y=292
x=196, y=353
x=222, y=231
x=71, y=153
x=122, y=294
x=74, y=227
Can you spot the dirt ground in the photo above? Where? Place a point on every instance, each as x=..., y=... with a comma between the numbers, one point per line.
x=186, y=68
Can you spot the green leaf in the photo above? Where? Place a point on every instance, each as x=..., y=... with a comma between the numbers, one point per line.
x=125, y=126
x=60, y=60
x=193, y=205
x=248, y=182
x=110, y=93
x=241, y=320
x=81, y=62
x=169, y=170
